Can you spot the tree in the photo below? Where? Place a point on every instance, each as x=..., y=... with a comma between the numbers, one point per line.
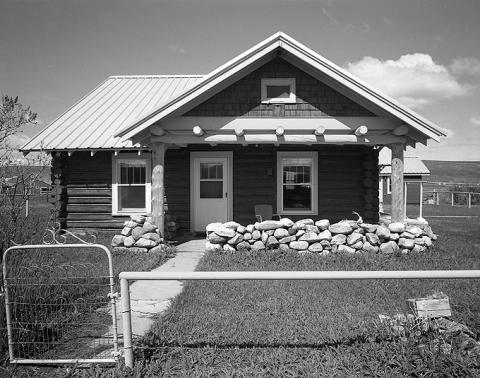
x=13, y=116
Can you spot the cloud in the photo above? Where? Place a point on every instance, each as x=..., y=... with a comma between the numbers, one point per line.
x=475, y=121
x=178, y=49
x=414, y=79
x=466, y=66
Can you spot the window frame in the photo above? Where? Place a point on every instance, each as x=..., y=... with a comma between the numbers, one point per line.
x=313, y=155
x=278, y=81
x=389, y=185
x=116, y=160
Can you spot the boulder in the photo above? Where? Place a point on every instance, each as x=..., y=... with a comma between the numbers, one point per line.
x=117, y=240
x=341, y=228
x=418, y=248
x=292, y=231
x=354, y=237
x=148, y=227
x=367, y=247
x=396, y=227
x=311, y=228
x=286, y=222
x=419, y=241
x=243, y=246
x=310, y=237
x=383, y=232
x=283, y=247
x=258, y=245
x=256, y=235
x=216, y=239
x=250, y=228
x=305, y=222
x=241, y=229
x=129, y=241
x=225, y=232
x=247, y=236
x=149, y=219
x=338, y=239
x=415, y=231
x=140, y=219
x=210, y=247
x=269, y=232
x=325, y=244
x=137, y=232
x=264, y=237
x=389, y=247
x=138, y=250
x=345, y=248
x=325, y=235
x=407, y=235
x=232, y=225
x=322, y=224
x=369, y=228
x=315, y=248
x=394, y=236
x=145, y=243
x=268, y=225
x=281, y=233
x=152, y=236
x=213, y=226
x=272, y=242
x=130, y=224
x=298, y=245
x=300, y=233
x=228, y=248
x=126, y=231
x=372, y=238
x=236, y=239
x=287, y=239
x=427, y=241
x=357, y=245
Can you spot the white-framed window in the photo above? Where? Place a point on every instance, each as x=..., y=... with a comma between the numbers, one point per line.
x=131, y=184
x=278, y=90
x=389, y=185
x=297, y=182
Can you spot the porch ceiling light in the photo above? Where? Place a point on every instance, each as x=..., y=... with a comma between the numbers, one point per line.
x=239, y=132
x=361, y=130
x=279, y=131
x=198, y=131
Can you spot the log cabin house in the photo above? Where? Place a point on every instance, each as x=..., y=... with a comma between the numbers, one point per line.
x=278, y=124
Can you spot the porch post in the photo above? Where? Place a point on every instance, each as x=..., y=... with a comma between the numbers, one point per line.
x=158, y=186
x=398, y=210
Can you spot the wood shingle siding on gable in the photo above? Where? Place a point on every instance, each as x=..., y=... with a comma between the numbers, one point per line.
x=313, y=98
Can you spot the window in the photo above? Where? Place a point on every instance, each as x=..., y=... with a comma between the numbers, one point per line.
x=278, y=90
x=211, y=180
x=131, y=187
x=297, y=179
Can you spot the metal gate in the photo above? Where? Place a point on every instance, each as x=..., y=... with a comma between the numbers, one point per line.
x=60, y=304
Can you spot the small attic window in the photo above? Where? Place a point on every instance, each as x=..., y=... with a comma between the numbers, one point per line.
x=278, y=90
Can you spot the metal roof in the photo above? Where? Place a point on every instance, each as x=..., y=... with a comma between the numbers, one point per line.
x=412, y=165
x=117, y=102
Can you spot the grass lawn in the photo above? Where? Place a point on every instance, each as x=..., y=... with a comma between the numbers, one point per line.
x=288, y=328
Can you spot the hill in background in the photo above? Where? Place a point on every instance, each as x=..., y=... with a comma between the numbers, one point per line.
x=453, y=171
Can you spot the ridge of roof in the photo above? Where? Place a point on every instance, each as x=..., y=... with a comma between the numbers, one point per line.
x=282, y=40
x=155, y=76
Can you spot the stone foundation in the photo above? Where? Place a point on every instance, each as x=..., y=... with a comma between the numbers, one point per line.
x=308, y=236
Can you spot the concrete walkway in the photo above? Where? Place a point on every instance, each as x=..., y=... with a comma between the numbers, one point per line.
x=149, y=298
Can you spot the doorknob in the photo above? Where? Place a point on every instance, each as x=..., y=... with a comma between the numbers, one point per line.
x=226, y=194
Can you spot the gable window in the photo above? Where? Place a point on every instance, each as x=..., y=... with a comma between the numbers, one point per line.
x=297, y=180
x=131, y=186
x=278, y=90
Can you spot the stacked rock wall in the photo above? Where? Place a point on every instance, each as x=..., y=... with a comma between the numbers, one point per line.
x=139, y=234
x=308, y=236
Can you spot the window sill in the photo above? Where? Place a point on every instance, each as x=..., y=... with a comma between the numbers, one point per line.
x=291, y=212
x=126, y=213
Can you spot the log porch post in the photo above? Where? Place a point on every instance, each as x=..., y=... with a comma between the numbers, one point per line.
x=398, y=210
x=158, y=186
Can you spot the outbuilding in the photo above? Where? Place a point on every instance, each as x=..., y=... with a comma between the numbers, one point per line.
x=278, y=124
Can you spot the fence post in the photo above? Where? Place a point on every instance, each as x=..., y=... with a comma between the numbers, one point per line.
x=469, y=200
x=405, y=201
x=452, y=198
x=127, y=322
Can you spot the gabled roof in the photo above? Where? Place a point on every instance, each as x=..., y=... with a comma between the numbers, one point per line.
x=412, y=165
x=290, y=46
x=117, y=102
x=123, y=106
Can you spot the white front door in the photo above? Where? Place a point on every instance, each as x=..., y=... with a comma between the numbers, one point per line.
x=211, y=189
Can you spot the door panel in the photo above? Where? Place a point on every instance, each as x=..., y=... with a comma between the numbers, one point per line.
x=210, y=190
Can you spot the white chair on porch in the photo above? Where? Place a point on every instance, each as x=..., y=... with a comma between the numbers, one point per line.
x=265, y=212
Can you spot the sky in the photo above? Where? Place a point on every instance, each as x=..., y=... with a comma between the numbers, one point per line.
x=425, y=53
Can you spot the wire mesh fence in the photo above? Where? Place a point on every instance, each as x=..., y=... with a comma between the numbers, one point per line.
x=59, y=302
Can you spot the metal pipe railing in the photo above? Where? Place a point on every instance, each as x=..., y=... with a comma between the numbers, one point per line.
x=269, y=275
